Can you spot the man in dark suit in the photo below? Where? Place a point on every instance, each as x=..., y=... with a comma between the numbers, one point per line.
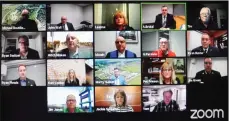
x=22, y=80
x=205, y=22
x=24, y=51
x=164, y=20
x=205, y=50
x=27, y=23
x=121, y=51
x=72, y=50
x=208, y=75
x=65, y=26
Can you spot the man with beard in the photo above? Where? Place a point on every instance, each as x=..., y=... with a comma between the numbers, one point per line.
x=26, y=23
x=24, y=51
x=121, y=51
x=163, y=51
x=72, y=50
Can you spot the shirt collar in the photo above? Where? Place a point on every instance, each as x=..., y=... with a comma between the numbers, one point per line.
x=122, y=54
x=72, y=54
x=206, y=49
x=24, y=57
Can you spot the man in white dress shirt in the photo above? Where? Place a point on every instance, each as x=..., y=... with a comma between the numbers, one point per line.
x=65, y=26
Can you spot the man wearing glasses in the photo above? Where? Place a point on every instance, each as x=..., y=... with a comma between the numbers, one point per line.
x=163, y=50
x=208, y=75
x=65, y=26
x=121, y=51
x=71, y=105
x=205, y=50
x=26, y=23
x=205, y=21
x=164, y=20
x=24, y=51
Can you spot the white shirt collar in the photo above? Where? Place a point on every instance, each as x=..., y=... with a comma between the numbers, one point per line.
x=206, y=49
x=121, y=55
x=72, y=54
x=66, y=27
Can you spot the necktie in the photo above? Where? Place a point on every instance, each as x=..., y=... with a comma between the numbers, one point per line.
x=64, y=27
x=164, y=22
x=205, y=52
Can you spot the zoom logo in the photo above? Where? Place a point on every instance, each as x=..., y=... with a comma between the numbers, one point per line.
x=210, y=113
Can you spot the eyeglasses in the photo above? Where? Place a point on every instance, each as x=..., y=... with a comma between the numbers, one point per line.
x=166, y=69
x=204, y=14
x=163, y=42
x=71, y=100
x=117, y=42
x=208, y=63
x=164, y=9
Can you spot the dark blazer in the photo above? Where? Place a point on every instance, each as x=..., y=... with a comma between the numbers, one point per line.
x=70, y=26
x=28, y=24
x=213, y=77
x=198, y=25
x=116, y=52
x=82, y=54
x=170, y=22
x=74, y=83
x=29, y=82
x=212, y=51
x=32, y=54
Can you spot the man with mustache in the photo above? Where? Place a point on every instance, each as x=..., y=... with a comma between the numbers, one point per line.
x=205, y=22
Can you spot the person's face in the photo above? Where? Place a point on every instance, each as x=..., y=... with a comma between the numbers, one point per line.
x=116, y=73
x=204, y=15
x=164, y=10
x=208, y=64
x=71, y=74
x=205, y=41
x=22, y=45
x=71, y=42
x=167, y=97
x=167, y=73
x=22, y=72
x=63, y=20
x=164, y=45
x=119, y=20
x=71, y=103
x=119, y=99
x=120, y=44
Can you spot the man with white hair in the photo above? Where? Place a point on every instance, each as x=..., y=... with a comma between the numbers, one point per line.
x=65, y=26
x=72, y=50
x=71, y=105
x=25, y=22
x=163, y=50
x=205, y=21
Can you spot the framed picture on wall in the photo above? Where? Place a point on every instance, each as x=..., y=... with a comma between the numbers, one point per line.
x=178, y=64
x=130, y=36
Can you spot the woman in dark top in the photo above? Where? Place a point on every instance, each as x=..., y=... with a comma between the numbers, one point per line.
x=71, y=79
x=120, y=22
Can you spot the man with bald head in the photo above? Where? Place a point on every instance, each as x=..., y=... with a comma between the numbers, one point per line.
x=71, y=105
x=163, y=50
x=65, y=26
x=205, y=50
x=121, y=51
x=205, y=21
x=72, y=50
x=26, y=23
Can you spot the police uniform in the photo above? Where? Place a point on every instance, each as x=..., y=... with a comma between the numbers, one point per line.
x=208, y=77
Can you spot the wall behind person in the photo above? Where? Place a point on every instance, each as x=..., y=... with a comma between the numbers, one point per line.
x=88, y=13
x=194, y=40
x=109, y=37
x=134, y=16
x=74, y=13
x=34, y=71
x=177, y=42
x=179, y=10
x=218, y=64
x=150, y=11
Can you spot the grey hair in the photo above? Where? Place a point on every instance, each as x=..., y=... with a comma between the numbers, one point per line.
x=209, y=11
